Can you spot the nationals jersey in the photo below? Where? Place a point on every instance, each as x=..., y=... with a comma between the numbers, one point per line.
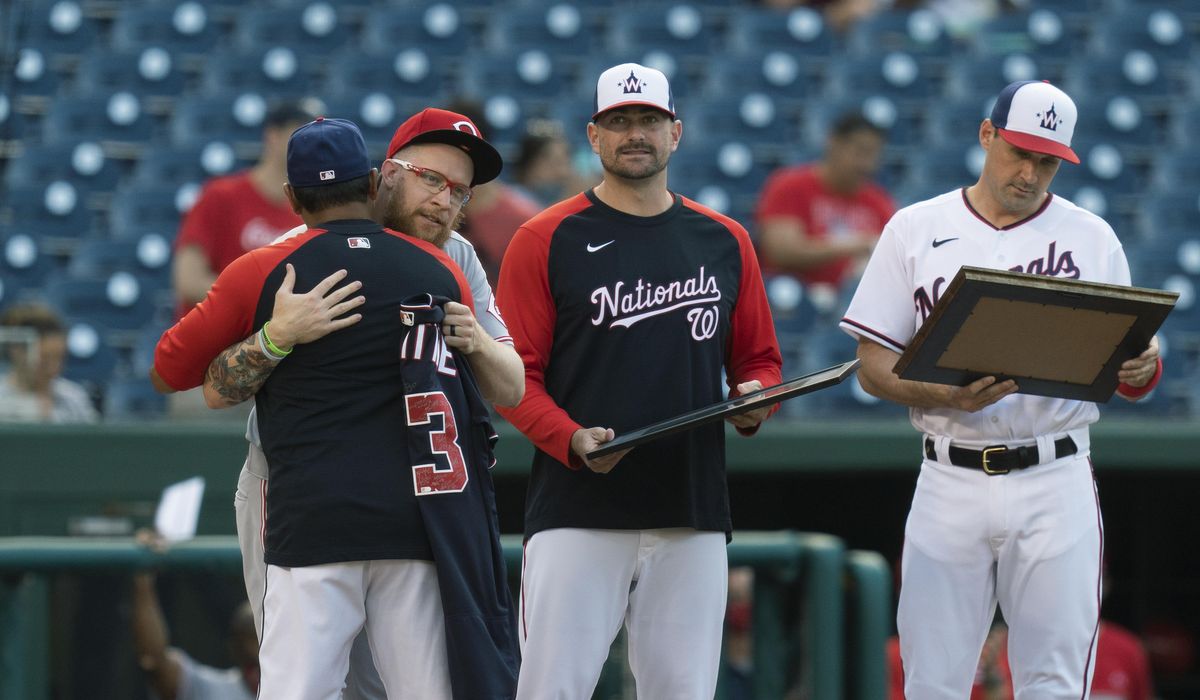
x=333, y=413
x=623, y=321
x=920, y=252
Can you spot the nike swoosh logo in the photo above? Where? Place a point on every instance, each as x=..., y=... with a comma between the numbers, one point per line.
x=937, y=243
x=593, y=248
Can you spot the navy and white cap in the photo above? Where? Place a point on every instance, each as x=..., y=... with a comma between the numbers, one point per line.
x=633, y=84
x=1033, y=115
x=326, y=152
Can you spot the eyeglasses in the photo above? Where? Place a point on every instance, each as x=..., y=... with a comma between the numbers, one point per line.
x=460, y=194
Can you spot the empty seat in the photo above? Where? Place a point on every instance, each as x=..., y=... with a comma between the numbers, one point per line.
x=117, y=302
x=982, y=77
x=777, y=73
x=91, y=359
x=230, y=117
x=896, y=75
x=1042, y=33
x=313, y=27
x=148, y=258
x=1136, y=74
x=755, y=117
x=944, y=168
x=1179, y=168
x=408, y=71
x=1157, y=30
x=279, y=70
x=900, y=123
x=57, y=210
x=187, y=27
x=133, y=399
x=156, y=208
x=919, y=32
x=23, y=263
x=564, y=29
x=438, y=28
x=374, y=111
x=83, y=164
x=153, y=71
x=59, y=28
x=680, y=28
x=800, y=32
x=1167, y=211
x=532, y=74
x=120, y=118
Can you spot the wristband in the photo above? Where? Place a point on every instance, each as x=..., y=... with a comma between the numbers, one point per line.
x=272, y=347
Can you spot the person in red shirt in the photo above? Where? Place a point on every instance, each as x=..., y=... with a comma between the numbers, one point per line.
x=237, y=213
x=816, y=220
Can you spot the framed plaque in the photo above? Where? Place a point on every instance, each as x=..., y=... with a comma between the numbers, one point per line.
x=731, y=407
x=1056, y=337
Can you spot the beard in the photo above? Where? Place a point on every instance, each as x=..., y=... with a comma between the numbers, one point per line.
x=635, y=171
x=427, y=223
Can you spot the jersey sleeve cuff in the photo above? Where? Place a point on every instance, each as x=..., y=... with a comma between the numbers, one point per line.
x=860, y=330
x=1137, y=392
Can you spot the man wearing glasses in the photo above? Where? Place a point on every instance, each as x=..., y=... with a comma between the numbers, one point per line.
x=417, y=198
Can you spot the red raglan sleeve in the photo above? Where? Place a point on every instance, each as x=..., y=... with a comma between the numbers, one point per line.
x=225, y=316
x=753, y=348
x=523, y=295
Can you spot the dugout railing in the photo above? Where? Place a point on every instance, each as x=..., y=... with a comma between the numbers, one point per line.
x=821, y=614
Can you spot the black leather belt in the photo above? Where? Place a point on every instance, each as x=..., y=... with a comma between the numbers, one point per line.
x=999, y=459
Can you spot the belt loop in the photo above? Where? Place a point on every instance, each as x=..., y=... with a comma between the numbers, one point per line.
x=1046, y=451
x=941, y=446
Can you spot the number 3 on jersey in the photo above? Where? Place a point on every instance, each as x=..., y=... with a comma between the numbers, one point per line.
x=450, y=475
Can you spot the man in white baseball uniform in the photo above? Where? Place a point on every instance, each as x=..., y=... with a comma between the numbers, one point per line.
x=1019, y=524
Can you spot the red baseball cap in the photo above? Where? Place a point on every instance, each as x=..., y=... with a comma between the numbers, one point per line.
x=433, y=125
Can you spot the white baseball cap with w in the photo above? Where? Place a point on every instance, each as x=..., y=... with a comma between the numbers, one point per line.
x=1036, y=116
x=633, y=84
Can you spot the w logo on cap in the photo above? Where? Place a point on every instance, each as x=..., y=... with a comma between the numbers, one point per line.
x=1050, y=119
x=632, y=84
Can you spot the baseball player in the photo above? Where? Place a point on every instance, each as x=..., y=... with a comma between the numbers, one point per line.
x=613, y=295
x=1005, y=508
x=370, y=433
x=400, y=207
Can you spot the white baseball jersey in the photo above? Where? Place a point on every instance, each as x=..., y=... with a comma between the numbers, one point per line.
x=920, y=252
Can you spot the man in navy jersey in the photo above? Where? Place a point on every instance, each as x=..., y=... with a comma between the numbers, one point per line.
x=610, y=296
x=363, y=444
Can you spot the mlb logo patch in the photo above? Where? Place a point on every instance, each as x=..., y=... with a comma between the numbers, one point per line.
x=408, y=318
x=327, y=175
x=358, y=242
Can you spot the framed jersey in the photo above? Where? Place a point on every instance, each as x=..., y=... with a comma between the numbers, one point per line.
x=731, y=407
x=1056, y=337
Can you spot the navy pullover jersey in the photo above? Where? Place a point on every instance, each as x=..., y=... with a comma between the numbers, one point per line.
x=335, y=416
x=623, y=321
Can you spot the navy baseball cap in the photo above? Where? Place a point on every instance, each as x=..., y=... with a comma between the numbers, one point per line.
x=326, y=152
x=1033, y=115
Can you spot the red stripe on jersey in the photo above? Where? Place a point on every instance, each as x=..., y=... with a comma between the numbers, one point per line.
x=1013, y=225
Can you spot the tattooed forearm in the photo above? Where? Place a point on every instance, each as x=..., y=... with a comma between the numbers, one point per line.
x=239, y=371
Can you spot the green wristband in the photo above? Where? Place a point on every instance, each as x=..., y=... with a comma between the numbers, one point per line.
x=272, y=346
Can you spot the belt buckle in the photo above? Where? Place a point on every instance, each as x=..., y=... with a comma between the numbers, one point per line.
x=987, y=452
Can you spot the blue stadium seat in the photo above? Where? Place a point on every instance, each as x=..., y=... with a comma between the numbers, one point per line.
x=943, y=168
x=120, y=118
x=754, y=117
x=896, y=75
x=439, y=29
x=91, y=359
x=23, y=263
x=1104, y=167
x=187, y=164
x=564, y=29
x=1179, y=168
x=1123, y=121
x=133, y=399
x=187, y=27
x=683, y=29
x=279, y=70
x=1042, y=33
x=1166, y=211
x=151, y=72
x=1135, y=73
x=979, y=78
x=955, y=123
x=58, y=28
x=12, y=123
x=800, y=32
x=147, y=258
x=311, y=28
x=730, y=165
x=230, y=117
x=56, y=210
x=116, y=302
x=376, y=113
x=83, y=164
x=406, y=71
x=32, y=76
x=900, y=121
x=1156, y=30
x=783, y=76
x=533, y=74
x=156, y=208
x=920, y=32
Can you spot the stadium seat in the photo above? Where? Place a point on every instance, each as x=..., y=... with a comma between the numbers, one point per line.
x=116, y=302
x=1042, y=33
x=13, y=125
x=753, y=117
x=944, y=168
x=91, y=360
x=186, y=164
x=133, y=399
x=439, y=29
x=187, y=27
x=118, y=118
x=150, y=72
x=979, y=78
x=784, y=77
x=801, y=32
x=59, y=28
x=23, y=263
x=376, y=113
x=230, y=117
x=896, y=75
x=1135, y=73
x=56, y=210
x=919, y=32
x=1166, y=212
x=1104, y=167
x=900, y=122
x=682, y=29
x=313, y=28
x=1179, y=168
x=83, y=164
x=957, y=122
x=406, y=71
x=1123, y=121
x=147, y=258
x=32, y=76
x=1156, y=30
x=566, y=30
x=278, y=70
x=533, y=74
x=156, y=208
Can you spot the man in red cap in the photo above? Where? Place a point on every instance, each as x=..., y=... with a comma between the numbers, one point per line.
x=459, y=537
x=1005, y=510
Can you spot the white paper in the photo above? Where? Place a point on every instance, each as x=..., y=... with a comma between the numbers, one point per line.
x=179, y=510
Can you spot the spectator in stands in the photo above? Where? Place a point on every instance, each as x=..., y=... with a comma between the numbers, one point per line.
x=233, y=215
x=238, y=213
x=171, y=673
x=817, y=220
x=496, y=209
x=544, y=170
x=31, y=391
